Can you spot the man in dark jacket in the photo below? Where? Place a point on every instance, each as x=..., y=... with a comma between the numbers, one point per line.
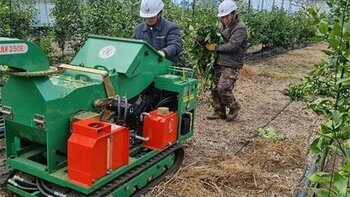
x=163, y=35
x=229, y=61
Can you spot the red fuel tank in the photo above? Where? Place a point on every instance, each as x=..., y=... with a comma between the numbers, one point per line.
x=94, y=148
x=160, y=127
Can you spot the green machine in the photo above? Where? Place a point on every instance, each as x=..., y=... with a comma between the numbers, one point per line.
x=110, y=123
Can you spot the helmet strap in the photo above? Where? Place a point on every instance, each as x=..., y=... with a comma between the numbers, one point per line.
x=159, y=16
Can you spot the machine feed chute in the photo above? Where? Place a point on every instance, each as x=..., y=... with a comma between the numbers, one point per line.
x=124, y=56
x=28, y=56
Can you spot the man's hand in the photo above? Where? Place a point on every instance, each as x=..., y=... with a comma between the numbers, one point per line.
x=210, y=47
x=161, y=53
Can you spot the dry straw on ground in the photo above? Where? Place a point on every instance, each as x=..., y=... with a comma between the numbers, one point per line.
x=216, y=179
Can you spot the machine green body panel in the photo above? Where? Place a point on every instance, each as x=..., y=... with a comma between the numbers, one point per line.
x=28, y=56
x=20, y=192
x=54, y=99
x=187, y=89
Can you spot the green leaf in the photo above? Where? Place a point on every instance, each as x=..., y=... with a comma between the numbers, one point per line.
x=341, y=184
x=347, y=143
x=347, y=36
x=326, y=128
x=344, y=81
x=336, y=117
x=323, y=27
x=345, y=132
x=337, y=30
x=327, y=52
x=328, y=135
x=335, y=149
x=270, y=133
x=320, y=177
x=346, y=165
x=315, y=146
x=321, y=192
x=334, y=42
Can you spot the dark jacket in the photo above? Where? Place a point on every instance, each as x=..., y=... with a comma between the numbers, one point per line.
x=232, y=52
x=163, y=36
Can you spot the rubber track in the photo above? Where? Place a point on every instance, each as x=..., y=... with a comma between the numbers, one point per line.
x=179, y=156
x=124, y=178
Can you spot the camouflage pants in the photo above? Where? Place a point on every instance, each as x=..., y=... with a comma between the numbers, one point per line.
x=224, y=82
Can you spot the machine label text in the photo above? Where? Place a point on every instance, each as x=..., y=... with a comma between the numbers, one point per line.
x=18, y=48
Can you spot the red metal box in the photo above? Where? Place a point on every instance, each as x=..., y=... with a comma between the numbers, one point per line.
x=160, y=129
x=94, y=148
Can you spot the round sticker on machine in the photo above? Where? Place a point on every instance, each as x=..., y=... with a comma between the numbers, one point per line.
x=107, y=52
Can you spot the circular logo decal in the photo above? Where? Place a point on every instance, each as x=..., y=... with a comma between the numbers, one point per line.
x=107, y=52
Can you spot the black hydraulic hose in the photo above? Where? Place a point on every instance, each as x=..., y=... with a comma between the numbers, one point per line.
x=29, y=183
x=117, y=98
x=125, y=108
x=16, y=184
x=46, y=187
x=42, y=190
x=23, y=180
x=166, y=100
x=161, y=96
x=27, y=188
x=55, y=193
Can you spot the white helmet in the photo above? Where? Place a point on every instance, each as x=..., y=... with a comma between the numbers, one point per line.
x=226, y=7
x=150, y=8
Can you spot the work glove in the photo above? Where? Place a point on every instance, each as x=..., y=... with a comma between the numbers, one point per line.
x=210, y=47
x=161, y=53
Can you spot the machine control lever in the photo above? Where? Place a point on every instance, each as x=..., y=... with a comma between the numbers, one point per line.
x=145, y=139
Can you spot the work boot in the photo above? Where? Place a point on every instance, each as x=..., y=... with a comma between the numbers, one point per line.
x=232, y=115
x=216, y=115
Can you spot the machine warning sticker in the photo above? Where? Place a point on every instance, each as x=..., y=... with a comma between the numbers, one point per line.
x=14, y=48
x=188, y=98
x=107, y=52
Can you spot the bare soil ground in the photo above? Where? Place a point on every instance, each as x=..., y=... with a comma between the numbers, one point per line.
x=214, y=166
